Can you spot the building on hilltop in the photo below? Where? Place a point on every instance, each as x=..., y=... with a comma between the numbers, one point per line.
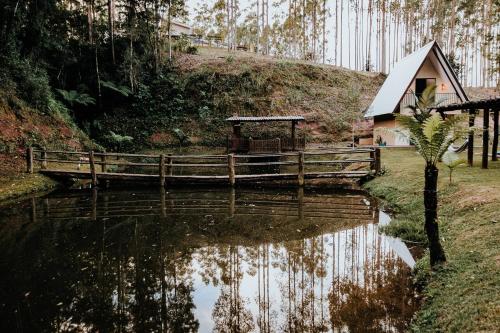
x=409, y=78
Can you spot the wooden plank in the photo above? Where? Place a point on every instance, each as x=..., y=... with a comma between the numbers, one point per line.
x=470, y=142
x=378, y=160
x=162, y=170
x=44, y=159
x=63, y=152
x=103, y=163
x=92, y=169
x=486, y=138
x=266, y=163
x=494, y=149
x=231, y=169
x=29, y=160
x=362, y=160
x=170, y=168
x=340, y=174
x=301, y=170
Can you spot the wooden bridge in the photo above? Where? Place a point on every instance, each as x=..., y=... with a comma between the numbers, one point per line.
x=219, y=169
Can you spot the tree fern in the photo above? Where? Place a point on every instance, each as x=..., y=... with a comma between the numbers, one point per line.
x=72, y=97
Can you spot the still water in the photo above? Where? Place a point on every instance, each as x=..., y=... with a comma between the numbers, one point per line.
x=201, y=260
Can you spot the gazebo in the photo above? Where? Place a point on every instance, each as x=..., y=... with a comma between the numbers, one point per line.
x=472, y=107
x=237, y=143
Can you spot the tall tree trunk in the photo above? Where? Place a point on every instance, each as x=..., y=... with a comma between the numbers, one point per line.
x=111, y=28
x=323, y=47
x=169, y=29
x=437, y=255
x=258, y=27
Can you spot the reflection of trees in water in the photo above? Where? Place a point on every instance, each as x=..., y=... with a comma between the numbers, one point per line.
x=375, y=294
x=136, y=274
x=229, y=313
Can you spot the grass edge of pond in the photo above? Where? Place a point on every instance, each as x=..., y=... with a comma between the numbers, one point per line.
x=462, y=296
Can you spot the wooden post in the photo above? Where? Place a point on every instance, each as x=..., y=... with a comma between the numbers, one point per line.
x=374, y=159
x=301, y=169
x=232, y=202
x=486, y=137
x=103, y=160
x=163, y=204
x=162, y=170
x=92, y=168
x=293, y=135
x=279, y=145
x=300, y=199
x=169, y=165
x=29, y=160
x=44, y=159
x=494, y=149
x=231, y=169
x=470, y=141
x=94, y=204
x=377, y=161
x=33, y=210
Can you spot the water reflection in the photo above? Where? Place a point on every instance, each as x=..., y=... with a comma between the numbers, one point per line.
x=200, y=260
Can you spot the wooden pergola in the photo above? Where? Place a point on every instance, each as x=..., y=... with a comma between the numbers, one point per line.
x=265, y=145
x=490, y=105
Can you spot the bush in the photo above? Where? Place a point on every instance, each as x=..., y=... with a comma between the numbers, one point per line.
x=30, y=82
x=183, y=45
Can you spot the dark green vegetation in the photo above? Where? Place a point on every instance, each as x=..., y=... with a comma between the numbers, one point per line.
x=113, y=76
x=462, y=296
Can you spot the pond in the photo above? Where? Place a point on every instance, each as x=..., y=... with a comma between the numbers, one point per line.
x=201, y=260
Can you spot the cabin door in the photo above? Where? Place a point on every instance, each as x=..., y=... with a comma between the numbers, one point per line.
x=421, y=84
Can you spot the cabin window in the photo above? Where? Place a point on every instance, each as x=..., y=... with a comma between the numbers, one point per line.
x=421, y=84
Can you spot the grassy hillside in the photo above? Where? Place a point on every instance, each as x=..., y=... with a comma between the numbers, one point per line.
x=22, y=126
x=206, y=88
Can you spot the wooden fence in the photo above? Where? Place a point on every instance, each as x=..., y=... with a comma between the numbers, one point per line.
x=230, y=168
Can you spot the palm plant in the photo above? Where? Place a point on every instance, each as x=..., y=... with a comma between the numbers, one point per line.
x=432, y=135
x=73, y=97
x=452, y=160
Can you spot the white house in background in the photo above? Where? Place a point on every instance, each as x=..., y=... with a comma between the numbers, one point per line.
x=409, y=77
x=179, y=29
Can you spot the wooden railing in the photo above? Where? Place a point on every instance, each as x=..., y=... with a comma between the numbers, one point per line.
x=441, y=98
x=230, y=168
x=259, y=146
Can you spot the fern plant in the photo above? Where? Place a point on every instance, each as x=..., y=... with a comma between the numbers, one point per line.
x=432, y=135
x=72, y=97
x=452, y=160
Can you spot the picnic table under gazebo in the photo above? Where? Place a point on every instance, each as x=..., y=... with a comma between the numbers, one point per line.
x=238, y=143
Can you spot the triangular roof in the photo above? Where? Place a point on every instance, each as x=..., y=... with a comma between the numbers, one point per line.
x=402, y=75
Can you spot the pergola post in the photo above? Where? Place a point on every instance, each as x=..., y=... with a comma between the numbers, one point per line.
x=470, y=141
x=494, y=149
x=486, y=137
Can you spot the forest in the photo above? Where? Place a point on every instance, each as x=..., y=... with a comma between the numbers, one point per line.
x=115, y=72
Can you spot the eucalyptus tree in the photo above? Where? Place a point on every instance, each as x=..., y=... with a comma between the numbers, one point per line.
x=432, y=135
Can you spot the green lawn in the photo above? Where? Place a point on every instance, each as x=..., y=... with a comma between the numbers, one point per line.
x=463, y=296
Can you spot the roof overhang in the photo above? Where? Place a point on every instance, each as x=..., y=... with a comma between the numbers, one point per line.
x=238, y=119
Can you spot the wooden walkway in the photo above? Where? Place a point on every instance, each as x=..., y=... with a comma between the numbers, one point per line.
x=219, y=169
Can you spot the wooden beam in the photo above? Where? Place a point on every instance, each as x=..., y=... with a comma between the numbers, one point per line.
x=103, y=162
x=470, y=141
x=231, y=170
x=93, y=175
x=162, y=170
x=301, y=169
x=44, y=159
x=29, y=160
x=494, y=149
x=486, y=137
